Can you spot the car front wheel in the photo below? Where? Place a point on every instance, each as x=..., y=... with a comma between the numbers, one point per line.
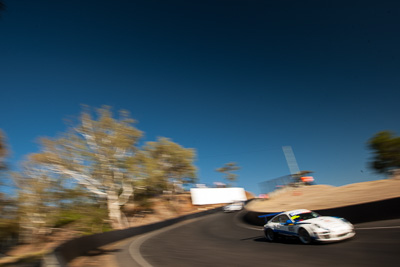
x=304, y=236
x=270, y=235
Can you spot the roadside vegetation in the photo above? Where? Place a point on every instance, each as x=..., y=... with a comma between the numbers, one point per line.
x=88, y=179
x=385, y=147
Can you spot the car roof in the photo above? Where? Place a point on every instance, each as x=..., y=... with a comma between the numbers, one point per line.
x=298, y=211
x=289, y=213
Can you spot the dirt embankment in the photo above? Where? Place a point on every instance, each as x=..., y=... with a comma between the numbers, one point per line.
x=316, y=197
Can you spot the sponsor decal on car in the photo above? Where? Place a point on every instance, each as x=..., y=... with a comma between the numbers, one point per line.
x=299, y=212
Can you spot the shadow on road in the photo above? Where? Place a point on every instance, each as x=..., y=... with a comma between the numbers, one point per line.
x=295, y=241
x=99, y=251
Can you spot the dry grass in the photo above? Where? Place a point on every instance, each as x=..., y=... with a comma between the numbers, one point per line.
x=325, y=196
x=163, y=209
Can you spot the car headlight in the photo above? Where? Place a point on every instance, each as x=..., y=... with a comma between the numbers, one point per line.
x=322, y=228
x=347, y=222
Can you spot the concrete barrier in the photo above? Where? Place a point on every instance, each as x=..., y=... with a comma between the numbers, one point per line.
x=365, y=212
x=79, y=246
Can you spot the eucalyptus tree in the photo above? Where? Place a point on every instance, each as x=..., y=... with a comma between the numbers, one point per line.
x=5, y=200
x=166, y=165
x=3, y=150
x=386, y=149
x=228, y=170
x=37, y=193
x=8, y=216
x=96, y=154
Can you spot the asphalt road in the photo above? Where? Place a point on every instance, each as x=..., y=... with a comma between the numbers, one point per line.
x=222, y=240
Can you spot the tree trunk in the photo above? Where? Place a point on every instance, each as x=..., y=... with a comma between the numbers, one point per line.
x=114, y=212
x=116, y=216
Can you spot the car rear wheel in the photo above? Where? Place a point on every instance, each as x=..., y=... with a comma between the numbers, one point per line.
x=270, y=235
x=304, y=236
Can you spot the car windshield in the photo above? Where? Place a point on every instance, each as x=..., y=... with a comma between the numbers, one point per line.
x=304, y=216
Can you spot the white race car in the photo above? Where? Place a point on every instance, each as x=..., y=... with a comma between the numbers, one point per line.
x=236, y=206
x=308, y=226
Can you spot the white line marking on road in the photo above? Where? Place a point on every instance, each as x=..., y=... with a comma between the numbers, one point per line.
x=374, y=228
x=134, y=247
x=135, y=254
x=366, y=228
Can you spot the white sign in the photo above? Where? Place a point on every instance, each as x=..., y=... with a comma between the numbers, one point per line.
x=207, y=196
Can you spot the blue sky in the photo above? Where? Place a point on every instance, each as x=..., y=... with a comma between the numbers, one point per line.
x=235, y=80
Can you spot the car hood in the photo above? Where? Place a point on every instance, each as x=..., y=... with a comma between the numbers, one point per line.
x=327, y=221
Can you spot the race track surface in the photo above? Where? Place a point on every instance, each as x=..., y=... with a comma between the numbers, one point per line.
x=223, y=240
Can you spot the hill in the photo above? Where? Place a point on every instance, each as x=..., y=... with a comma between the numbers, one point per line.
x=315, y=197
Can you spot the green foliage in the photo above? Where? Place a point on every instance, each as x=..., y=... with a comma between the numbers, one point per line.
x=227, y=170
x=143, y=202
x=386, y=149
x=67, y=217
x=95, y=154
x=83, y=217
x=8, y=227
x=163, y=163
x=83, y=178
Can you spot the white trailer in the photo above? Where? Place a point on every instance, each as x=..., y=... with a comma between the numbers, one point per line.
x=207, y=196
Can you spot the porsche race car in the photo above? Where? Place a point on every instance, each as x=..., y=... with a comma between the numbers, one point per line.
x=308, y=226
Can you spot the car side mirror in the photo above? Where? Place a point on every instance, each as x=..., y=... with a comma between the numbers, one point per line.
x=288, y=222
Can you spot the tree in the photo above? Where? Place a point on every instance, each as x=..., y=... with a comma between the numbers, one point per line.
x=8, y=217
x=45, y=202
x=166, y=165
x=96, y=155
x=3, y=150
x=227, y=169
x=386, y=149
x=37, y=193
x=3, y=166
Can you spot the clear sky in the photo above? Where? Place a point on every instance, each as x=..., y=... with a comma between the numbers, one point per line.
x=234, y=79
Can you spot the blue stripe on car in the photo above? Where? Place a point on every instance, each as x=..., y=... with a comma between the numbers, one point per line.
x=285, y=232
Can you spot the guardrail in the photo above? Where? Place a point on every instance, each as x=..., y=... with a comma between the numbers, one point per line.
x=79, y=246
